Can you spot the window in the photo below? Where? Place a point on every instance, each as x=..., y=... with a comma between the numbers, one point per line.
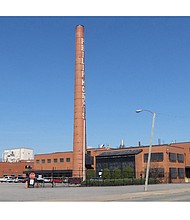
x=155, y=157
x=43, y=161
x=55, y=160
x=49, y=160
x=89, y=153
x=37, y=161
x=156, y=172
x=173, y=173
x=172, y=157
x=180, y=158
x=181, y=173
x=61, y=160
x=68, y=159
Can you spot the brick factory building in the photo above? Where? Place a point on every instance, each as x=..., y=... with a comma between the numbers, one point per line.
x=169, y=162
x=15, y=168
x=57, y=164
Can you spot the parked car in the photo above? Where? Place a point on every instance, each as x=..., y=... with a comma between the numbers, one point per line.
x=2, y=179
x=44, y=179
x=21, y=179
x=7, y=179
x=47, y=180
x=73, y=180
x=10, y=179
x=65, y=179
x=56, y=180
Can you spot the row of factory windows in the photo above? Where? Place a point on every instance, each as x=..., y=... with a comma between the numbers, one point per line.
x=174, y=173
x=55, y=160
x=157, y=157
x=177, y=172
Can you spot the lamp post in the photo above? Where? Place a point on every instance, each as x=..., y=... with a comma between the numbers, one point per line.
x=150, y=147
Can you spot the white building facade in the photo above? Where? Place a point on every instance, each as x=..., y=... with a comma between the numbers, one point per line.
x=16, y=155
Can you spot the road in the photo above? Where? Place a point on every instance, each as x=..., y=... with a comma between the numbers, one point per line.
x=16, y=192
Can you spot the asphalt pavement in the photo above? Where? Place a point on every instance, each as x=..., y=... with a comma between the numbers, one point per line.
x=17, y=192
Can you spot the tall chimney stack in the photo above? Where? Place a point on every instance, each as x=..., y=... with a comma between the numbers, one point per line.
x=79, y=145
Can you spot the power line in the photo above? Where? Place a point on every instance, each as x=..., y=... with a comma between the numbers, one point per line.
x=173, y=116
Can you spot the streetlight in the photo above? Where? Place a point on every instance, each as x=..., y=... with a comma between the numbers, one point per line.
x=150, y=148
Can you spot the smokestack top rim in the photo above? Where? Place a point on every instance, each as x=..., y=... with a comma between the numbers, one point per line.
x=79, y=25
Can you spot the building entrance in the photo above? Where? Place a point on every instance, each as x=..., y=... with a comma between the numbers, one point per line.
x=187, y=171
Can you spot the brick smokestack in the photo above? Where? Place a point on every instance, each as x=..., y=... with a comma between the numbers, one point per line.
x=79, y=140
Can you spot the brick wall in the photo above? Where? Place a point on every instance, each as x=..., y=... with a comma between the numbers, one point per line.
x=186, y=146
x=165, y=164
x=56, y=161
x=17, y=168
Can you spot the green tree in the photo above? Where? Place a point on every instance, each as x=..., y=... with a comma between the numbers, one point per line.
x=90, y=174
x=116, y=174
x=106, y=173
x=128, y=172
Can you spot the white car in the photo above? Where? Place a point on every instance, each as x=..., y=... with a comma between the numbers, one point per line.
x=43, y=179
x=7, y=179
x=2, y=179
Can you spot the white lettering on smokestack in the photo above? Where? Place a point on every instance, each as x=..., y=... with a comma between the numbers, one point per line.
x=83, y=78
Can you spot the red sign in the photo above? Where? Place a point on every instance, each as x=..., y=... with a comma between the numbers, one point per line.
x=32, y=175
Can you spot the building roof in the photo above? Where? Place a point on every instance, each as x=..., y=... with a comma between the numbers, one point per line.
x=120, y=153
x=62, y=152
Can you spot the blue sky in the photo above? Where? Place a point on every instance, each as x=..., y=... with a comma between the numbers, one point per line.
x=130, y=63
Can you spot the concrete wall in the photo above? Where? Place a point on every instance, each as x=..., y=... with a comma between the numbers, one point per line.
x=15, y=155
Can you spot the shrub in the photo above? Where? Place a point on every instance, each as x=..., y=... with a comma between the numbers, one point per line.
x=140, y=181
x=118, y=182
x=153, y=181
x=116, y=174
x=128, y=172
x=128, y=181
x=90, y=174
x=106, y=173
